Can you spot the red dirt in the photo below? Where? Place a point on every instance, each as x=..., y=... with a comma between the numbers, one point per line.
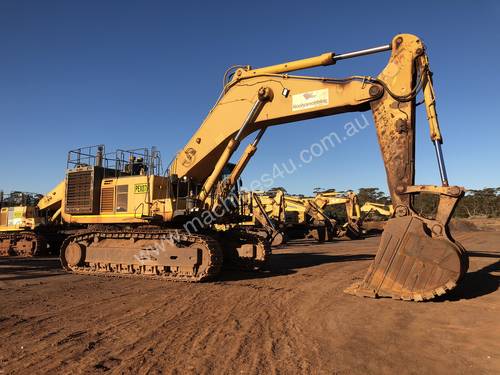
x=294, y=319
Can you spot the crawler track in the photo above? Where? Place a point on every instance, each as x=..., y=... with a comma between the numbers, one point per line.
x=164, y=254
x=244, y=250
x=22, y=243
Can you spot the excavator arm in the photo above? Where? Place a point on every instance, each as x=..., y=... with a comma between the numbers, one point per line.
x=381, y=209
x=53, y=201
x=349, y=200
x=417, y=259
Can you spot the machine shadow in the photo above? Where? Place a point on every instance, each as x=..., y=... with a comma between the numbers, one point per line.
x=477, y=283
x=22, y=268
x=308, y=242
x=288, y=264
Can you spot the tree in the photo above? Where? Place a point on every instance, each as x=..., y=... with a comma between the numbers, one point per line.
x=320, y=190
x=373, y=195
x=426, y=204
x=278, y=188
x=484, y=202
x=476, y=202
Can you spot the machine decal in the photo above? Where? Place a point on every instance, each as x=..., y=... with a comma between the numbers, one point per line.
x=310, y=99
x=140, y=188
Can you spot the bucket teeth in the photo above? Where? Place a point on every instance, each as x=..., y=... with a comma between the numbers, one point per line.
x=357, y=290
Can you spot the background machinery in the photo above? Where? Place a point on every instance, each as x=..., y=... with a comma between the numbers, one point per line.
x=25, y=230
x=303, y=218
x=137, y=221
x=279, y=215
x=374, y=216
x=344, y=209
x=18, y=220
x=307, y=217
x=263, y=214
x=386, y=210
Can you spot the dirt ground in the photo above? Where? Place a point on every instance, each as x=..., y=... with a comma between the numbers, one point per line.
x=294, y=319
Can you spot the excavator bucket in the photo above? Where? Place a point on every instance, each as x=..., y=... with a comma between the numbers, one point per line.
x=352, y=231
x=277, y=239
x=411, y=264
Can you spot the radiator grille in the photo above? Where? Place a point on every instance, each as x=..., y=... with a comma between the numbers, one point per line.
x=79, y=192
x=107, y=199
x=4, y=217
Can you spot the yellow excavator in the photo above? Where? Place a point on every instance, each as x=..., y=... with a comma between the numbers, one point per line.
x=329, y=201
x=374, y=216
x=25, y=230
x=137, y=221
x=278, y=216
x=307, y=217
x=386, y=210
x=262, y=214
x=19, y=221
x=303, y=218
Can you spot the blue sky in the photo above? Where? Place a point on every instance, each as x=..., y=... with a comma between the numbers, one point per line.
x=140, y=73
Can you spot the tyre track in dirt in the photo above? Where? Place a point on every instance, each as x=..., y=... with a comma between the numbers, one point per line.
x=293, y=319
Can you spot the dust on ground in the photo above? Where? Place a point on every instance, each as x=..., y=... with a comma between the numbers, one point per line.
x=293, y=319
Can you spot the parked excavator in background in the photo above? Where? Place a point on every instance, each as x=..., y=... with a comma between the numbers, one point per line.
x=24, y=229
x=309, y=216
x=278, y=216
x=374, y=216
x=386, y=210
x=304, y=219
x=263, y=214
x=343, y=207
x=137, y=221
